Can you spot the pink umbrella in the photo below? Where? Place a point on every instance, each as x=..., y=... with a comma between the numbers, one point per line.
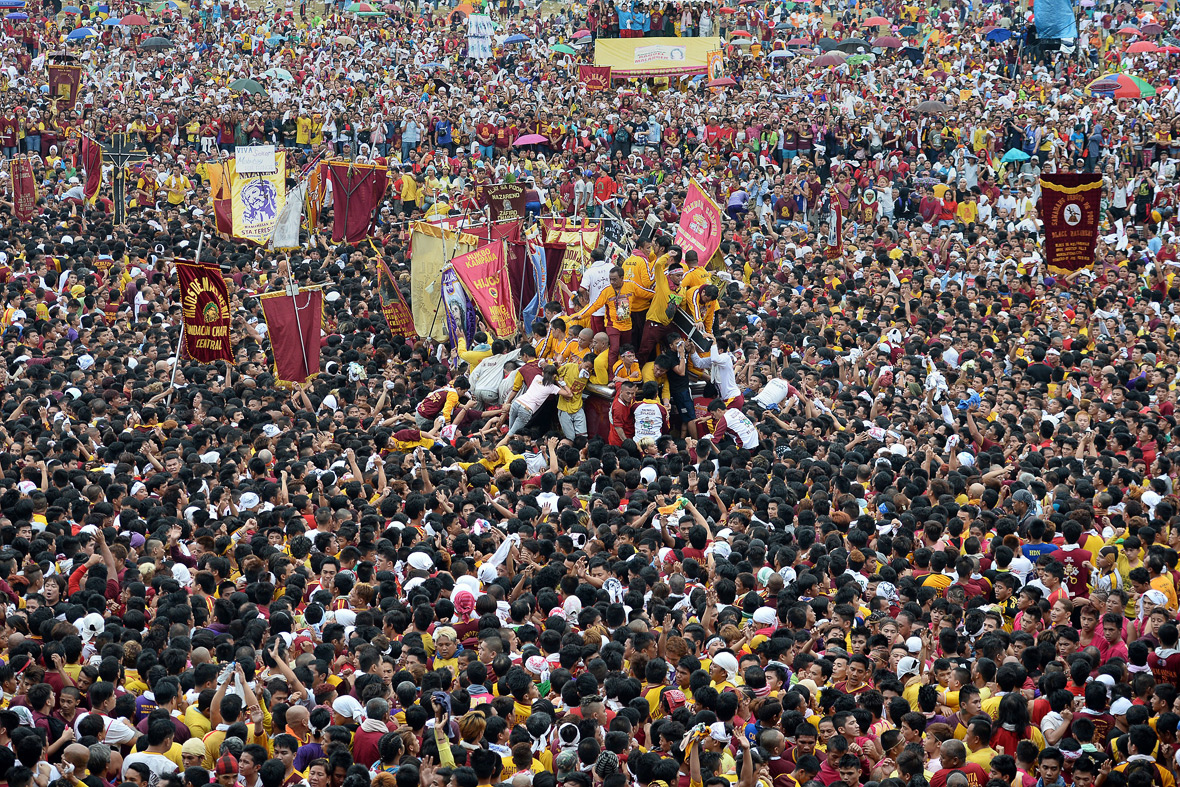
x=581, y=34
x=829, y=60
x=722, y=82
x=531, y=139
x=887, y=42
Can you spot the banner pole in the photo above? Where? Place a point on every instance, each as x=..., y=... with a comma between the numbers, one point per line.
x=180, y=341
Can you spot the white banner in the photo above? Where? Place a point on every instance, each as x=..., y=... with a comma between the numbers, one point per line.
x=286, y=232
x=479, y=36
x=255, y=158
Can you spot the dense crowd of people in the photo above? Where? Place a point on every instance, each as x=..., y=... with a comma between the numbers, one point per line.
x=900, y=510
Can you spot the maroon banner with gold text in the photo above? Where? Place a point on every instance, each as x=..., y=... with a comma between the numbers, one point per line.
x=1070, y=210
x=204, y=302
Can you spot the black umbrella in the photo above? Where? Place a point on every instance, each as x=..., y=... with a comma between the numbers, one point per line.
x=914, y=54
x=933, y=107
x=156, y=42
x=828, y=44
x=853, y=44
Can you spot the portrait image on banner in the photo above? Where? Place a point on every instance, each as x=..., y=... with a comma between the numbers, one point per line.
x=716, y=64
x=257, y=200
x=1070, y=208
x=204, y=304
x=64, y=81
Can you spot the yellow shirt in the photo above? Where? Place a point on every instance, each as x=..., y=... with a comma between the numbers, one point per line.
x=640, y=272
x=601, y=376
x=198, y=724
x=649, y=375
x=571, y=374
x=1164, y=584
x=983, y=757
x=302, y=131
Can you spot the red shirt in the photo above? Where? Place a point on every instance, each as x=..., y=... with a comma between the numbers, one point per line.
x=621, y=416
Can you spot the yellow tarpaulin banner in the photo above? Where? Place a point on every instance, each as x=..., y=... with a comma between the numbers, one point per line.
x=258, y=198
x=649, y=57
x=431, y=248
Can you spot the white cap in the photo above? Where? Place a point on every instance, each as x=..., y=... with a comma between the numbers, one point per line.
x=91, y=626
x=249, y=500
x=1120, y=707
x=271, y=430
x=85, y=362
x=908, y=665
x=914, y=644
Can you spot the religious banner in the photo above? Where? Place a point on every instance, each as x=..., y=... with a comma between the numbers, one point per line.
x=700, y=224
x=505, y=201
x=835, y=240
x=24, y=188
x=286, y=231
x=357, y=190
x=462, y=320
x=1069, y=208
x=257, y=200
x=430, y=249
x=393, y=305
x=294, y=325
x=204, y=303
x=716, y=64
x=484, y=276
x=90, y=160
x=540, y=274
x=64, y=81
x=594, y=77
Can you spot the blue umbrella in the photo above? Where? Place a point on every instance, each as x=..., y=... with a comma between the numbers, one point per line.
x=17, y=16
x=110, y=21
x=432, y=65
x=1000, y=34
x=12, y=3
x=71, y=9
x=1015, y=154
x=516, y=39
x=81, y=33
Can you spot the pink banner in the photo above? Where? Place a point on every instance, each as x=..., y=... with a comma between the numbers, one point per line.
x=700, y=224
x=484, y=273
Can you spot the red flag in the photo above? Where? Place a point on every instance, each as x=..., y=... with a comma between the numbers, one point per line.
x=204, y=302
x=24, y=189
x=594, y=77
x=90, y=157
x=484, y=273
x=294, y=324
x=393, y=305
x=357, y=190
x=700, y=224
x=1070, y=208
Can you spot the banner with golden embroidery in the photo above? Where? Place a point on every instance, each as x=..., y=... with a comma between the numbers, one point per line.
x=1070, y=207
x=484, y=273
x=393, y=305
x=24, y=188
x=204, y=302
x=64, y=82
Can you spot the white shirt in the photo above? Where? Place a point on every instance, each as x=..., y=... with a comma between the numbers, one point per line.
x=773, y=392
x=158, y=763
x=723, y=374
x=595, y=279
x=115, y=731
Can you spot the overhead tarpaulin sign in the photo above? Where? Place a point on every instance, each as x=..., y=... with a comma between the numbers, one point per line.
x=431, y=247
x=648, y=57
x=479, y=36
x=1070, y=210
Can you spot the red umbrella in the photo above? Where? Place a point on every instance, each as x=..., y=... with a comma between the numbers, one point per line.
x=1130, y=31
x=581, y=34
x=798, y=42
x=878, y=21
x=887, y=42
x=1143, y=46
x=829, y=60
x=1152, y=29
x=133, y=19
x=728, y=10
x=1170, y=50
x=741, y=34
x=722, y=82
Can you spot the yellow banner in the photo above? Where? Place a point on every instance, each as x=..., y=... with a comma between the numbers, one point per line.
x=649, y=57
x=258, y=199
x=431, y=248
